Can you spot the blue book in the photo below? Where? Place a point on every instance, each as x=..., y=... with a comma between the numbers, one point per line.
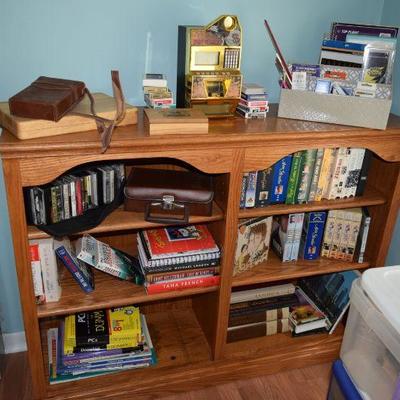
x=338, y=44
x=250, y=97
x=81, y=272
x=280, y=178
x=313, y=230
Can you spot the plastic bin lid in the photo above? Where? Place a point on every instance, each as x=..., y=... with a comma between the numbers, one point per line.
x=382, y=286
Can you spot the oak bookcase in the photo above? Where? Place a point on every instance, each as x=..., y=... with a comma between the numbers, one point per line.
x=189, y=327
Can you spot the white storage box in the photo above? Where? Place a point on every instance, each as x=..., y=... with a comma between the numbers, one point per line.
x=371, y=344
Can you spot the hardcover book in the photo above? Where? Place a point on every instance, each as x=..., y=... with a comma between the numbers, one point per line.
x=252, y=244
x=262, y=293
x=280, y=178
x=313, y=231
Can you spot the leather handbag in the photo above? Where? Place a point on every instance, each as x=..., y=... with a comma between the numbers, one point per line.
x=51, y=98
x=167, y=196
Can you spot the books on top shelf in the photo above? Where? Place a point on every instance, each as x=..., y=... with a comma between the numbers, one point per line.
x=92, y=343
x=178, y=257
x=253, y=102
x=308, y=175
x=73, y=194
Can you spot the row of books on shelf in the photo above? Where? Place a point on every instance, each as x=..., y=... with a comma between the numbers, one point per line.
x=313, y=305
x=337, y=234
x=73, y=194
x=308, y=175
x=170, y=259
x=98, y=342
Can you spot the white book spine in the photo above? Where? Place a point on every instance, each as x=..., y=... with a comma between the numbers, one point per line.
x=72, y=191
x=297, y=236
x=262, y=293
x=337, y=173
x=48, y=261
x=112, y=184
x=354, y=170
x=364, y=237
x=36, y=271
x=95, y=197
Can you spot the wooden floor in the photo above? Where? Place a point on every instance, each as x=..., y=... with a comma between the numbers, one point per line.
x=309, y=383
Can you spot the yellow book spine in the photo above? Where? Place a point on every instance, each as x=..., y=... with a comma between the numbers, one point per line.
x=323, y=177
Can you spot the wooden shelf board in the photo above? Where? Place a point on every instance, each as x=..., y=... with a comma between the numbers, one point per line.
x=275, y=270
x=121, y=220
x=372, y=198
x=178, y=341
x=109, y=292
x=282, y=343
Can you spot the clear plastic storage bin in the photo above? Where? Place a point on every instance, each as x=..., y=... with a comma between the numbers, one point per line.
x=371, y=344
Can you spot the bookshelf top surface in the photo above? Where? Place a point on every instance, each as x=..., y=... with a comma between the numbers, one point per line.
x=221, y=131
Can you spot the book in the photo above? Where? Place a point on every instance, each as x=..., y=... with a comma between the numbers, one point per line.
x=282, y=236
x=36, y=273
x=257, y=329
x=178, y=241
x=362, y=236
x=353, y=171
x=313, y=230
x=337, y=233
x=323, y=179
x=259, y=316
x=155, y=80
x=315, y=175
x=49, y=269
x=280, y=177
x=182, y=284
x=105, y=258
x=262, y=293
x=112, y=328
x=306, y=173
x=254, y=97
x=330, y=294
x=251, y=189
x=338, y=168
x=181, y=274
x=176, y=121
x=263, y=187
x=330, y=172
x=243, y=190
x=340, y=187
x=298, y=230
x=305, y=318
x=364, y=172
x=293, y=178
x=252, y=243
x=330, y=227
x=78, y=269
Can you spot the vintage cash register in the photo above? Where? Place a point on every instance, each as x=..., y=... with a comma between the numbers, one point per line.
x=209, y=58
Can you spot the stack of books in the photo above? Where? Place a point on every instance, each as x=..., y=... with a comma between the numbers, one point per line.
x=253, y=102
x=156, y=92
x=73, y=194
x=308, y=175
x=260, y=312
x=99, y=342
x=178, y=257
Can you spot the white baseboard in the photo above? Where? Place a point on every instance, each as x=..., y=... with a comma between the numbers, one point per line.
x=14, y=342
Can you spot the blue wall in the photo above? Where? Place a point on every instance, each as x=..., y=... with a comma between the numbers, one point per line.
x=86, y=39
x=391, y=16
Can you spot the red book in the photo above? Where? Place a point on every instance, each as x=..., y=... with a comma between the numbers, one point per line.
x=160, y=287
x=179, y=240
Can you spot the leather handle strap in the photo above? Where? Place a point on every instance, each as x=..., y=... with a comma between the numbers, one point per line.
x=105, y=126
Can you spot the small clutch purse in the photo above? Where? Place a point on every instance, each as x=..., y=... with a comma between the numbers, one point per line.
x=167, y=196
x=51, y=98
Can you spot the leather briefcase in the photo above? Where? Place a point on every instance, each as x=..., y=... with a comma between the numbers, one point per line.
x=167, y=196
x=47, y=98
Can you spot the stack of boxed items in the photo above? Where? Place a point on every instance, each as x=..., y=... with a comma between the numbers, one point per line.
x=99, y=342
x=178, y=257
x=260, y=312
x=156, y=92
x=253, y=102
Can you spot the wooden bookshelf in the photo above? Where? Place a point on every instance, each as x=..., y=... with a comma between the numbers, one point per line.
x=274, y=270
x=121, y=220
x=190, y=339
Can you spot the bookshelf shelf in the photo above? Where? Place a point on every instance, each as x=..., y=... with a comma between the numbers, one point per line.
x=274, y=270
x=189, y=328
x=371, y=198
x=109, y=292
x=121, y=220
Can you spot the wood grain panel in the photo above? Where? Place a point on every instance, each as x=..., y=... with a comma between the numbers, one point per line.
x=274, y=270
x=16, y=211
x=371, y=197
x=37, y=171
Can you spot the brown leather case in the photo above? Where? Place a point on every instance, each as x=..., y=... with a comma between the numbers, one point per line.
x=47, y=98
x=167, y=196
